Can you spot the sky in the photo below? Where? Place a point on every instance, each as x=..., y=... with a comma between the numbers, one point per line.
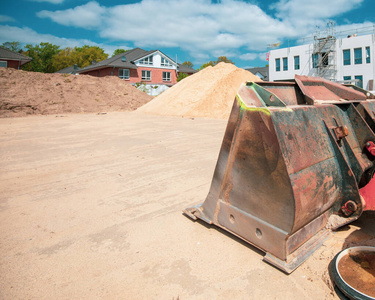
x=185, y=30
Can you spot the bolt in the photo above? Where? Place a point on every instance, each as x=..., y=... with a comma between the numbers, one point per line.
x=349, y=208
x=351, y=205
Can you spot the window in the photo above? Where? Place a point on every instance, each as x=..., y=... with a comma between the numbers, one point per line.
x=347, y=78
x=296, y=62
x=324, y=58
x=357, y=56
x=146, y=61
x=285, y=64
x=166, y=76
x=315, y=58
x=346, y=55
x=165, y=62
x=146, y=75
x=359, y=83
x=277, y=61
x=123, y=73
x=3, y=64
x=367, y=55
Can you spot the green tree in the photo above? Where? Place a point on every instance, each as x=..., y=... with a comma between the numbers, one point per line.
x=210, y=63
x=14, y=46
x=119, y=51
x=181, y=76
x=215, y=62
x=188, y=64
x=80, y=56
x=224, y=59
x=86, y=55
x=42, y=55
x=63, y=59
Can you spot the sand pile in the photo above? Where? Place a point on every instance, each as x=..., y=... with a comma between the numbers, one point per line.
x=209, y=93
x=24, y=93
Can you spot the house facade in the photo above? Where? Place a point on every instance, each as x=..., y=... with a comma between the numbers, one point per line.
x=261, y=72
x=153, y=69
x=11, y=59
x=346, y=60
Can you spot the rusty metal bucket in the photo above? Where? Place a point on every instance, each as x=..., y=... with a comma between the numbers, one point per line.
x=292, y=163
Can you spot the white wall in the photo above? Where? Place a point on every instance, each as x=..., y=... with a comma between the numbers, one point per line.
x=367, y=70
x=305, y=62
x=157, y=62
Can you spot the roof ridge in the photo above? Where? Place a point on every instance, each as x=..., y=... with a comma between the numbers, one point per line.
x=14, y=52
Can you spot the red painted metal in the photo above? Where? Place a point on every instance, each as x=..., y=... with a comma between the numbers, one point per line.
x=371, y=148
x=368, y=194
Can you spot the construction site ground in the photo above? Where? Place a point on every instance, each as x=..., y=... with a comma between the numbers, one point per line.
x=91, y=208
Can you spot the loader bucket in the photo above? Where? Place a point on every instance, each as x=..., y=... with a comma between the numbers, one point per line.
x=292, y=162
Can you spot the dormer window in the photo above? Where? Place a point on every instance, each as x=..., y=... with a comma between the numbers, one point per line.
x=146, y=61
x=165, y=62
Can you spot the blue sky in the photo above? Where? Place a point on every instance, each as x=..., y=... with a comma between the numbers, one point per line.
x=195, y=30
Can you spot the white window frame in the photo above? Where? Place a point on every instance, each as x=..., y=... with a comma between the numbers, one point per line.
x=146, y=75
x=346, y=62
x=165, y=62
x=296, y=66
x=285, y=64
x=277, y=65
x=368, y=55
x=147, y=61
x=358, y=56
x=124, y=76
x=360, y=82
x=166, y=76
x=3, y=64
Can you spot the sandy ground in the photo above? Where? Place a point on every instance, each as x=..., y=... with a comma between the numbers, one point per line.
x=32, y=93
x=91, y=208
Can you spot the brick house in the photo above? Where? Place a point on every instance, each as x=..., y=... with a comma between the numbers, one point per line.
x=11, y=59
x=153, y=68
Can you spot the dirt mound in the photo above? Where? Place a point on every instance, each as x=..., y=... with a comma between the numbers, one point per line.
x=209, y=93
x=24, y=93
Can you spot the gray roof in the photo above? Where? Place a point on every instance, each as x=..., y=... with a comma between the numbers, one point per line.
x=69, y=70
x=117, y=61
x=263, y=71
x=8, y=54
x=185, y=69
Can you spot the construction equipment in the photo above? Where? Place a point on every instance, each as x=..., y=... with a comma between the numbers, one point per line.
x=296, y=162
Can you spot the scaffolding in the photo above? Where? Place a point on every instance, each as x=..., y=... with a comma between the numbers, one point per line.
x=324, y=53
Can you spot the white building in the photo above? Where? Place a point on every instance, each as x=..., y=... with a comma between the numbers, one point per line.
x=349, y=60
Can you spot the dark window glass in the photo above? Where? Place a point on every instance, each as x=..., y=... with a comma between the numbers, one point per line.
x=296, y=62
x=357, y=56
x=346, y=55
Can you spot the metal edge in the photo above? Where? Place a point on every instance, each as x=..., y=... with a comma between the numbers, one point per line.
x=295, y=259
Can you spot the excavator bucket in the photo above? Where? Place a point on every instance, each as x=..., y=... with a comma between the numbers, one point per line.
x=296, y=161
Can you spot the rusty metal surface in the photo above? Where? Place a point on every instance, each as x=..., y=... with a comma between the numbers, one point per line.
x=290, y=167
x=319, y=89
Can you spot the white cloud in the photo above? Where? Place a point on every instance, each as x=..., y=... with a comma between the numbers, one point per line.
x=349, y=29
x=203, y=28
x=26, y=35
x=249, y=56
x=50, y=1
x=4, y=19
x=190, y=24
x=87, y=16
x=307, y=15
x=317, y=9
